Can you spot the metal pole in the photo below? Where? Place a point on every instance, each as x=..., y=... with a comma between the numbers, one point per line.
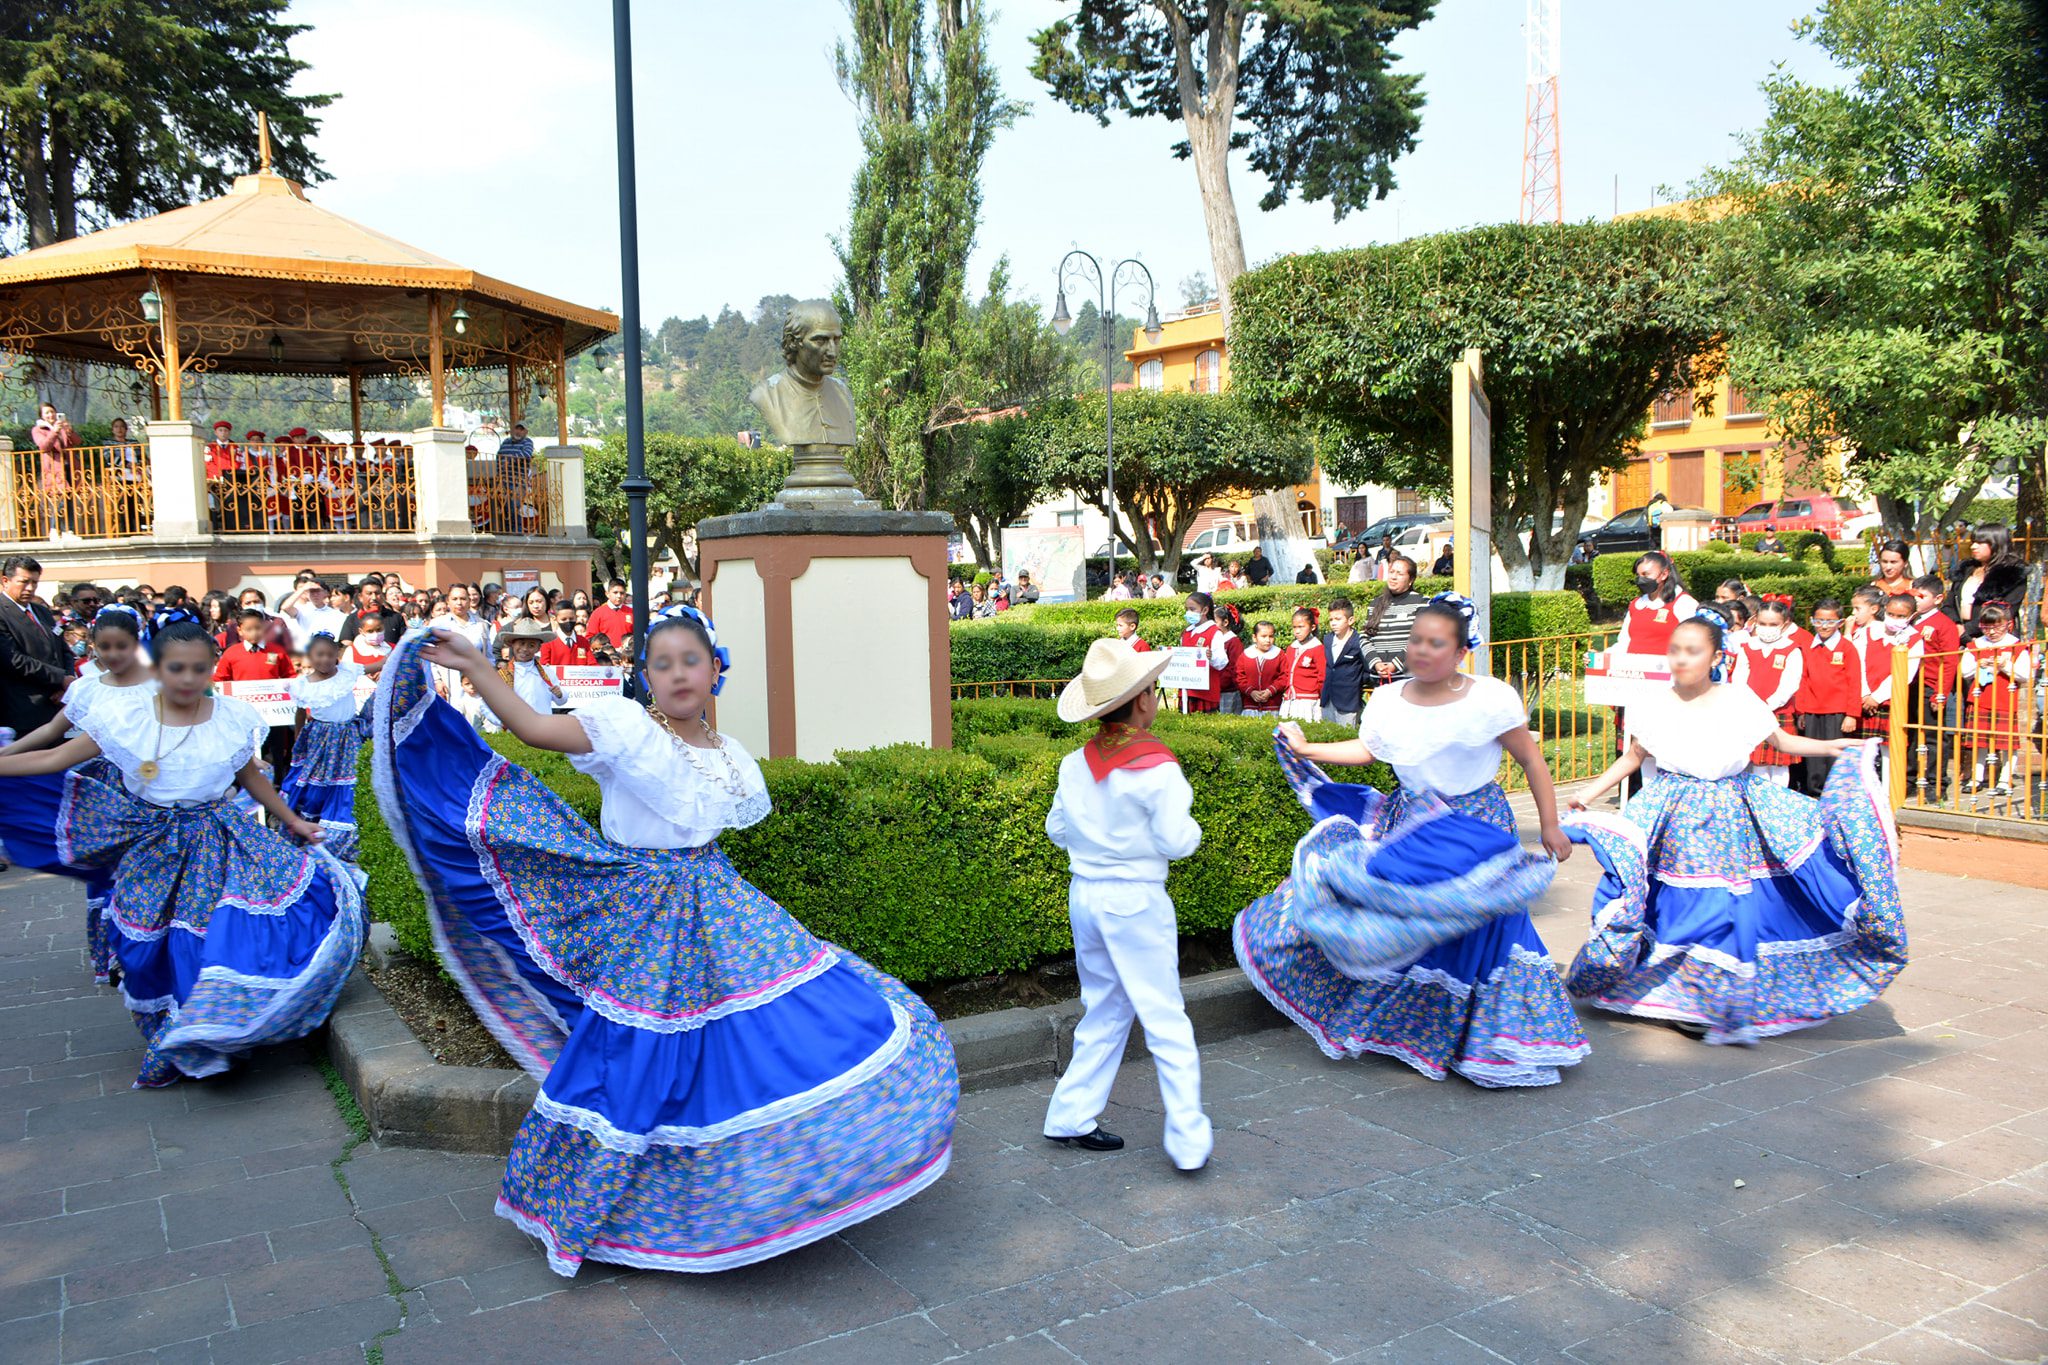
x=635, y=485
x=1108, y=306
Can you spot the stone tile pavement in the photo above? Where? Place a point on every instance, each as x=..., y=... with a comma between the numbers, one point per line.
x=1876, y=1190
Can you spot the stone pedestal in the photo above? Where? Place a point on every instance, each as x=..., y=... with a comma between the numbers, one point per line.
x=837, y=623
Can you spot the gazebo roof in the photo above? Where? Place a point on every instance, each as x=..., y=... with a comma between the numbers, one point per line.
x=266, y=228
x=263, y=281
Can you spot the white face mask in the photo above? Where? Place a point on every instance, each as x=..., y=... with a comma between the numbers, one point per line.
x=1897, y=628
x=1769, y=635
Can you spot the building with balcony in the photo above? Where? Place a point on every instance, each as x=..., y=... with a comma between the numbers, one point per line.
x=262, y=281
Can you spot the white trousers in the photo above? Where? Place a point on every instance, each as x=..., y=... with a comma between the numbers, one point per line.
x=1127, y=947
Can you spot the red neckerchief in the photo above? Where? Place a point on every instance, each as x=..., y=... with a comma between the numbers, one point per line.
x=1119, y=746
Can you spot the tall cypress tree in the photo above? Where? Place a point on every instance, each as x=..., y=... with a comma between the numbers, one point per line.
x=929, y=105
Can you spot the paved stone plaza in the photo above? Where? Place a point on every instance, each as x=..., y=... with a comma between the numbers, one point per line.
x=1875, y=1190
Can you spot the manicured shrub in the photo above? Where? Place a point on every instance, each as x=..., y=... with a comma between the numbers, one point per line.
x=1701, y=571
x=934, y=864
x=1807, y=589
x=1796, y=543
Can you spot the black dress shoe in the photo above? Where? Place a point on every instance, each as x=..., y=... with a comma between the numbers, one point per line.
x=1100, y=1140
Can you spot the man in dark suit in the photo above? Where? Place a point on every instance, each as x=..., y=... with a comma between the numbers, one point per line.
x=35, y=668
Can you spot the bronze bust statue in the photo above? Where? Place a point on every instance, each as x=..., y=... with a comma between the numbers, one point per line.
x=808, y=407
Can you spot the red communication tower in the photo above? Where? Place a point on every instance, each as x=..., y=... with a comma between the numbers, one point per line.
x=1542, y=154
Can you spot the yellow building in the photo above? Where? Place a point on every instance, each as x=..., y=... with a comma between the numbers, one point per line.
x=1192, y=356
x=1712, y=449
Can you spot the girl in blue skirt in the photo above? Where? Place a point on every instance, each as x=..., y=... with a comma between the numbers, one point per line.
x=321, y=783
x=227, y=936
x=718, y=1086
x=121, y=673
x=1487, y=1003
x=1732, y=907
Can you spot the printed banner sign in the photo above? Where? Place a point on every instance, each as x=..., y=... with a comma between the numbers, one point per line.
x=272, y=700
x=583, y=684
x=519, y=582
x=1614, y=679
x=1189, y=669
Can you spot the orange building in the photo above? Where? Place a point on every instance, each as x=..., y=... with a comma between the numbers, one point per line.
x=1712, y=449
x=1192, y=356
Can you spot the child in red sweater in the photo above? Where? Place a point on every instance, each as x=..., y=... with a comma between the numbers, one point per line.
x=1830, y=696
x=1127, y=631
x=250, y=659
x=1935, y=700
x=1261, y=672
x=1305, y=670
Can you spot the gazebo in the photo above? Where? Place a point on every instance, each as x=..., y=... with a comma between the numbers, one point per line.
x=263, y=281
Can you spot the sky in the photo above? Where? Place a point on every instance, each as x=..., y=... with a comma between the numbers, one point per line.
x=482, y=130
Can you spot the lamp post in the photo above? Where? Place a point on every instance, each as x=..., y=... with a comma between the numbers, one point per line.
x=1081, y=266
x=636, y=484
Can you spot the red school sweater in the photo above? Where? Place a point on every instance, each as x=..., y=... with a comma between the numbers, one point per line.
x=1832, y=684
x=1305, y=671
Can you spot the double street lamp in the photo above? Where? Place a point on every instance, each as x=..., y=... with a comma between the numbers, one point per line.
x=1081, y=267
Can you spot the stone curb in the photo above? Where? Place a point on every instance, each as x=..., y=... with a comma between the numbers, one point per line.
x=411, y=1100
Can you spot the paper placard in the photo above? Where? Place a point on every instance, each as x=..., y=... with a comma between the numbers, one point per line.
x=1614, y=679
x=583, y=684
x=1189, y=669
x=272, y=700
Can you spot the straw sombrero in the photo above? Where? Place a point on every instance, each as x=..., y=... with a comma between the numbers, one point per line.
x=526, y=628
x=1111, y=675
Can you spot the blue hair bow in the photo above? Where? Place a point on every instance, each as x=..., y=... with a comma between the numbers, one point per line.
x=1467, y=612
x=1713, y=617
x=679, y=612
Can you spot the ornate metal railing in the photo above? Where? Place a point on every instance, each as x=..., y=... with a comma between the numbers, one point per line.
x=328, y=489
x=513, y=496
x=86, y=493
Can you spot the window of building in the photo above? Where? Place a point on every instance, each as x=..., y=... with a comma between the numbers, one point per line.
x=1152, y=375
x=1067, y=519
x=1209, y=372
x=1409, y=503
x=1740, y=408
x=1674, y=409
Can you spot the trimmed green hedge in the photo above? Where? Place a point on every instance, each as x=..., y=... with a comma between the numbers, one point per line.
x=933, y=864
x=1796, y=543
x=1807, y=589
x=1050, y=640
x=1614, y=576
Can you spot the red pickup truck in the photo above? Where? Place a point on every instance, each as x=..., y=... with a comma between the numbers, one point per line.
x=1818, y=512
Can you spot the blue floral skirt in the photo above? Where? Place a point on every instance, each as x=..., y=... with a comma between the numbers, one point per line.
x=99, y=886
x=717, y=1085
x=1472, y=990
x=321, y=784
x=226, y=936
x=1742, y=907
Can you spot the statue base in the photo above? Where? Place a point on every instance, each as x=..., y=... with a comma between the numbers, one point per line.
x=837, y=622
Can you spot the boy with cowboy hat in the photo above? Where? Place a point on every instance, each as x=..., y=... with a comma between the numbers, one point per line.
x=1123, y=812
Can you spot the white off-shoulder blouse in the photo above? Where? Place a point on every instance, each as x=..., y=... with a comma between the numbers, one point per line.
x=659, y=793
x=1450, y=749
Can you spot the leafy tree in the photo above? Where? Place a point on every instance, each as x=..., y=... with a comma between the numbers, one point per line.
x=929, y=106
x=1008, y=359
x=1312, y=80
x=1176, y=453
x=694, y=477
x=1195, y=289
x=112, y=109
x=680, y=340
x=1581, y=326
x=1894, y=235
x=1084, y=338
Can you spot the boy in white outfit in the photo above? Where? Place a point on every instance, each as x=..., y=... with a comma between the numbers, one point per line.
x=1123, y=812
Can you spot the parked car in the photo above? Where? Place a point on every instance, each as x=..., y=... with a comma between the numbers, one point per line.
x=1629, y=533
x=1368, y=540
x=1820, y=512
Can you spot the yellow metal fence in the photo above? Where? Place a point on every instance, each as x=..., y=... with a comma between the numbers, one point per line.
x=1969, y=739
x=88, y=492
x=284, y=488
